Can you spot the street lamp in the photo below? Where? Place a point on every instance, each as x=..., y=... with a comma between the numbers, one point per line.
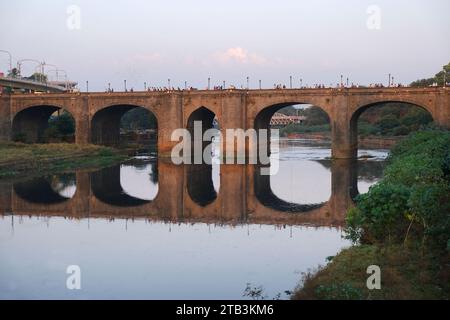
x=87, y=86
x=10, y=59
x=168, y=83
x=301, y=83
x=223, y=84
x=109, y=86
x=389, y=83
x=342, y=81
x=40, y=64
x=248, y=82
x=209, y=83
x=347, y=81
x=145, y=86
x=259, y=84
x=290, y=82
x=125, y=85
x=185, y=85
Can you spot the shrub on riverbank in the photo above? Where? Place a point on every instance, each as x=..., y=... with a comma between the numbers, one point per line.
x=402, y=225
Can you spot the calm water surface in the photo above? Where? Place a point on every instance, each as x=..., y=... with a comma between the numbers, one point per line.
x=134, y=236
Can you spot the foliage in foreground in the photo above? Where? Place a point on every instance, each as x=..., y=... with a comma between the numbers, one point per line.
x=412, y=201
x=402, y=225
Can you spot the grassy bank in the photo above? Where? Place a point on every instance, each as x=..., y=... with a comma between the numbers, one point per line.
x=406, y=273
x=17, y=159
x=401, y=225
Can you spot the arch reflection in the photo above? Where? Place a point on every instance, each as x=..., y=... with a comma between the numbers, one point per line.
x=47, y=190
x=141, y=186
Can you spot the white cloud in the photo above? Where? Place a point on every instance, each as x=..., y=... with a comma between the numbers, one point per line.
x=238, y=55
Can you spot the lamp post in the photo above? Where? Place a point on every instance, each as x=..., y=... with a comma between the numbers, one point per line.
x=10, y=59
x=125, y=85
x=224, y=85
x=168, y=83
x=87, y=86
x=347, y=81
x=40, y=64
x=145, y=86
x=185, y=85
x=389, y=82
x=301, y=83
x=290, y=82
x=109, y=86
x=209, y=83
x=259, y=84
x=248, y=82
x=342, y=81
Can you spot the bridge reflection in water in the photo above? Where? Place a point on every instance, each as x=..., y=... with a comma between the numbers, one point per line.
x=185, y=193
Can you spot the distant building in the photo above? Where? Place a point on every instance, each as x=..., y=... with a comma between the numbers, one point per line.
x=280, y=119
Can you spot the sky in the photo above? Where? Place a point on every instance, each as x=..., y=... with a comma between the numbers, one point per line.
x=152, y=41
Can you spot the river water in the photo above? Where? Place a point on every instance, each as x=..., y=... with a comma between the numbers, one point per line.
x=151, y=230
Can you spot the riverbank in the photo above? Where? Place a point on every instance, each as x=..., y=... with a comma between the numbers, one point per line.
x=406, y=273
x=402, y=225
x=17, y=159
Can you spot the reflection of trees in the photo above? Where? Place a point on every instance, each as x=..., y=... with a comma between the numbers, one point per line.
x=38, y=190
x=370, y=170
x=62, y=181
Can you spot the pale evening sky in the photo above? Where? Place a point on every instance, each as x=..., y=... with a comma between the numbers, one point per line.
x=229, y=40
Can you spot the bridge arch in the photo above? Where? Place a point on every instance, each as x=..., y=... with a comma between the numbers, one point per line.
x=31, y=123
x=106, y=122
x=264, y=114
x=360, y=109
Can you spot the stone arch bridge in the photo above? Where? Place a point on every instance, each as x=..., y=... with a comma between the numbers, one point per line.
x=97, y=115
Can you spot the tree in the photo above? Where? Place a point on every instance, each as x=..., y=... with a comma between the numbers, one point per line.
x=438, y=78
x=37, y=77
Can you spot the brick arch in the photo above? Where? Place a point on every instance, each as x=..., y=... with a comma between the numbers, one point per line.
x=32, y=120
x=206, y=112
x=105, y=122
x=358, y=109
x=361, y=106
x=263, y=116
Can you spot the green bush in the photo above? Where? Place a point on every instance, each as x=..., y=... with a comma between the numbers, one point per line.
x=412, y=201
x=379, y=215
